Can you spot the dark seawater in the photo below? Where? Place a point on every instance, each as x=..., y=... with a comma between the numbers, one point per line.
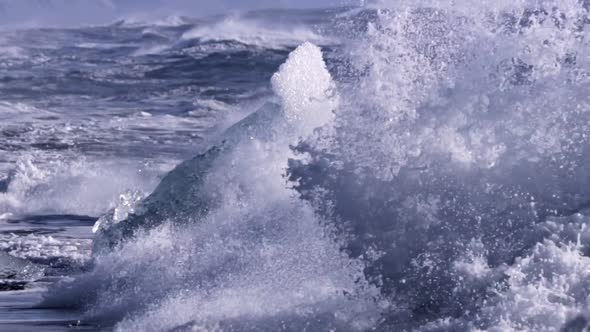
x=410, y=167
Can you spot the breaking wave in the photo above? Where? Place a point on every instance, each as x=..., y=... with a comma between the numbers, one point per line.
x=435, y=180
x=254, y=33
x=56, y=186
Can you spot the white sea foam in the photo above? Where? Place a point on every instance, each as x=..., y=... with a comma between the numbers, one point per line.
x=254, y=33
x=140, y=21
x=64, y=187
x=451, y=80
x=306, y=89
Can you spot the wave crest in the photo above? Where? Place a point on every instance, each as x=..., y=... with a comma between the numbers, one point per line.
x=254, y=33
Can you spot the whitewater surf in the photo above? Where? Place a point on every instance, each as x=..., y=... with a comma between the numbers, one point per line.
x=395, y=166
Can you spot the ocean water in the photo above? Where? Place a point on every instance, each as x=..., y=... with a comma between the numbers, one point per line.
x=397, y=166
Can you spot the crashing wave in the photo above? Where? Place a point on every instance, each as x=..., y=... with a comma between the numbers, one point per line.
x=38, y=185
x=253, y=253
x=307, y=103
x=438, y=184
x=463, y=129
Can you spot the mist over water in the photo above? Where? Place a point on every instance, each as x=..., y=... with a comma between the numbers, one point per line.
x=398, y=166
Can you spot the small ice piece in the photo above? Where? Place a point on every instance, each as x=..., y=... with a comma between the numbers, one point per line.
x=16, y=272
x=127, y=204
